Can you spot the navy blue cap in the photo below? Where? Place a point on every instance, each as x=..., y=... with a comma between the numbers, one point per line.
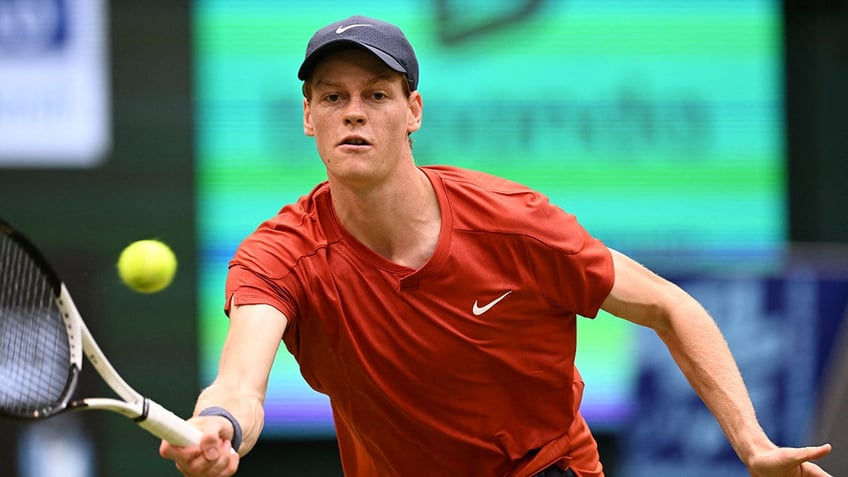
x=386, y=41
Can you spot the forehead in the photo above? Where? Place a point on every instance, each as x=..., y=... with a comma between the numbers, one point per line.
x=351, y=64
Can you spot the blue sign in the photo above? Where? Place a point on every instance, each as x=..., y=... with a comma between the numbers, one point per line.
x=776, y=328
x=30, y=27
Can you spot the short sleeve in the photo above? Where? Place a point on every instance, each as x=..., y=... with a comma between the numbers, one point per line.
x=245, y=287
x=574, y=270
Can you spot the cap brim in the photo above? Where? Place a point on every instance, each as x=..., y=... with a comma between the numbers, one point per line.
x=309, y=63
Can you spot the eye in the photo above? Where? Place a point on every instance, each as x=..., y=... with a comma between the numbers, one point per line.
x=379, y=95
x=332, y=97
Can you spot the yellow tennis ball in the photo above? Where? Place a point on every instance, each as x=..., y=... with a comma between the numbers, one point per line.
x=147, y=266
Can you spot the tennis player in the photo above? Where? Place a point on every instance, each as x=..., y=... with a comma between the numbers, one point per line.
x=436, y=306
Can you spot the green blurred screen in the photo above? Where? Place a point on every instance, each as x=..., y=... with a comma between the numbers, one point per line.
x=658, y=123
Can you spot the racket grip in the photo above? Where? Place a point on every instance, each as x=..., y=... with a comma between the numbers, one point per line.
x=166, y=425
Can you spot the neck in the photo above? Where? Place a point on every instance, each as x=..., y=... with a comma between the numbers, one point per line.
x=399, y=219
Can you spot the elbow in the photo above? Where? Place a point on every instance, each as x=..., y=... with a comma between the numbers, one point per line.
x=664, y=314
x=659, y=319
x=681, y=315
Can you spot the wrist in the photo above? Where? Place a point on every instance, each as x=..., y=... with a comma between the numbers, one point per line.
x=750, y=450
x=221, y=412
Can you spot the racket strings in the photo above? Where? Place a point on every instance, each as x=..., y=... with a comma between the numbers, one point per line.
x=34, y=346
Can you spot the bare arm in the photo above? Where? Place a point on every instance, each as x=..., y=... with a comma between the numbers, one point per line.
x=252, y=342
x=699, y=349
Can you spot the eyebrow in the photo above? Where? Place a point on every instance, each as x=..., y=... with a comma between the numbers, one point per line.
x=371, y=81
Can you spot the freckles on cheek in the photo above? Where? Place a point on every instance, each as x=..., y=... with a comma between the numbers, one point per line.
x=324, y=149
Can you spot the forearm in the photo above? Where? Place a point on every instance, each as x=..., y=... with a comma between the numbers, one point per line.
x=246, y=408
x=699, y=349
x=244, y=368
x=702, y=354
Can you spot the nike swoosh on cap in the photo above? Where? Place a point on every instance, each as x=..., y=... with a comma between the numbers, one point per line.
x=479, y=310
x=345, y=28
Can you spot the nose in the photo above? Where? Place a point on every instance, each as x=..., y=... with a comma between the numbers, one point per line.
x=354, y=113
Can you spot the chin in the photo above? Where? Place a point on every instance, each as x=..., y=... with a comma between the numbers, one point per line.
x=356, y=177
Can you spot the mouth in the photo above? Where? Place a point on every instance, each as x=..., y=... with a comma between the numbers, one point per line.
x=354, y=141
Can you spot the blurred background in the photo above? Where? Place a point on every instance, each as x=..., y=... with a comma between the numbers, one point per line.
x=706, y=139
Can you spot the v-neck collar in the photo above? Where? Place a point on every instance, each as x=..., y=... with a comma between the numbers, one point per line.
x=409, y=278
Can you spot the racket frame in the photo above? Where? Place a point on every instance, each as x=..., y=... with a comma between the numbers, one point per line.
x=148, y=414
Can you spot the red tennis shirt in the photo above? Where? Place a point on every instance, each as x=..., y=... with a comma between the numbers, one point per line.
x=464, y=366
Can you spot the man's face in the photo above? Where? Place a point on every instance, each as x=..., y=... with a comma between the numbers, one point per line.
x=360, y=116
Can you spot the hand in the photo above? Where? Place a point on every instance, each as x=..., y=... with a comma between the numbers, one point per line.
x=214, y=457
x=789, y=462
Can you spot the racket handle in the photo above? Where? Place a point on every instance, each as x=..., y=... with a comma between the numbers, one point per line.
x=166, y=425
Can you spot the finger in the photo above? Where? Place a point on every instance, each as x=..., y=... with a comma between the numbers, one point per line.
x=223, y=462
x=172, y=452
x=808, y=469
x=211, y=444
x=233, y=466
x=200, y=466
x=206, y=459
x=165, y=450
x=212, y=457
x=229, y=465
x=804, y=454
x=197, y=465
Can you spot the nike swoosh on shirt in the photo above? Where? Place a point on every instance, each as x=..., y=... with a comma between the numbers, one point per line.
x=345, y=28
x=479, y=310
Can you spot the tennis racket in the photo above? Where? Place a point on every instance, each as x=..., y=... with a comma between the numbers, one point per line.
x=42, y=342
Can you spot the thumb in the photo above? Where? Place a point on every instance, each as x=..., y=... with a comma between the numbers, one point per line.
x=804, y=454
x=209, y=446
x=817, y=452
x=215, y=434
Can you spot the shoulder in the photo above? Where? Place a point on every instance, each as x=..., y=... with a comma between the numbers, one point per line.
x=497, y=204
x=488, y=195
x=295, y=232
x=457, y=178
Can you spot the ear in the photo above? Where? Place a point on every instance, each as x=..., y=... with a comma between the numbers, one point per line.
x=307, y=119
x=416, y=107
